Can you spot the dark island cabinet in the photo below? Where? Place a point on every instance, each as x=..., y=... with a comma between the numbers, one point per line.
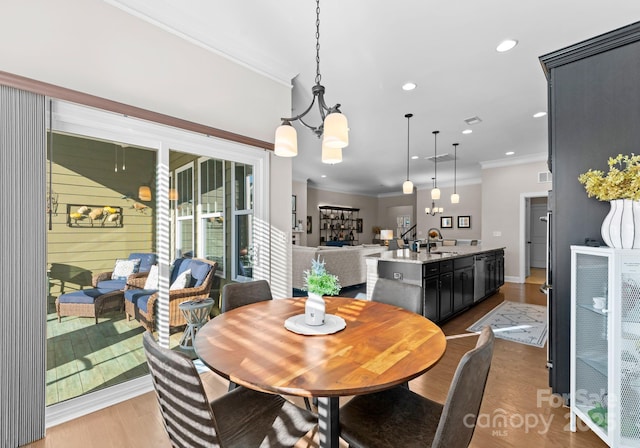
x=462, y=283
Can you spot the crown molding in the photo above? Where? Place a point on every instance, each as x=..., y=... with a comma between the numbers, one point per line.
x=540, y=157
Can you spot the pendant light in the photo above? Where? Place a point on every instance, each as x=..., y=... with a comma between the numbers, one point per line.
x=334, y=128
x=407, y=186
x=455, y=197
x=435, y=192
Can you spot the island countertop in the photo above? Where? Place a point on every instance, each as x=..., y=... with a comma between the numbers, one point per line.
x=438, y=254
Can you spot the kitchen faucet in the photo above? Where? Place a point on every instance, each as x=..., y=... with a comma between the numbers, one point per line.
x=430, y=232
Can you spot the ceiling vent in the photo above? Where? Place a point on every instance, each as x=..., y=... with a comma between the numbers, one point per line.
x=473, y=120
x=441, y=158
x=544, y=176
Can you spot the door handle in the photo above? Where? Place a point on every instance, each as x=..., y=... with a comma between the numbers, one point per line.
x=544, y=289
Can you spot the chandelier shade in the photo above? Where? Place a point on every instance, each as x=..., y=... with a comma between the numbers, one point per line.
x=331, y=155
x=336, y=131
x=286, y=144
x=334, y=128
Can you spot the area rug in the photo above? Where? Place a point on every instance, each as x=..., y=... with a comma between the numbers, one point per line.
x=517, y=322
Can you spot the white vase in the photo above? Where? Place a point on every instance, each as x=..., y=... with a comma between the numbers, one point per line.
x=621, y=227
x=314, y=310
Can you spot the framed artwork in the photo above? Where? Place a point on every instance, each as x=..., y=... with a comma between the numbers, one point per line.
x=464, y=222
x=293, y=203
x=309, y=230
x=446, y=222
x=359, y=225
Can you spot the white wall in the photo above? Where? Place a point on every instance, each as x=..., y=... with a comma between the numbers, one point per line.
x=470, y=205
x=92, y=47
x=502, y=188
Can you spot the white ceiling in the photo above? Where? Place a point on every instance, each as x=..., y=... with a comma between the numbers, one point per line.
x=370, y=48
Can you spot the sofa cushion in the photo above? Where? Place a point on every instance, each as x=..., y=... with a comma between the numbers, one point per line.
x=152, y=278
x=83, y=296
x=124, y=268
x=112, y=285
x=146, y=260
x=178, y=267
x=182, y=281
x=199, y=271
x=139, y=297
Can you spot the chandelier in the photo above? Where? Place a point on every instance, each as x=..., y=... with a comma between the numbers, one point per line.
x=334, y=129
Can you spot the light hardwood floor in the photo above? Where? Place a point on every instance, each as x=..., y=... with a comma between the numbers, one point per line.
x=517, y=411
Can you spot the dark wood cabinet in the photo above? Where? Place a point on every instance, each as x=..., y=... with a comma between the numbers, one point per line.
x=594, y=111
x=431, y=308
x=462, y=284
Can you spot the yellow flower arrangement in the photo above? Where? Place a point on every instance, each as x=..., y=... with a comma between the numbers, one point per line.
x=621, y=182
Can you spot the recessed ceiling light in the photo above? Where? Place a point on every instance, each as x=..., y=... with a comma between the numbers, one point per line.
x=409, y=86
x=467, y=131
x=509, y=153
x=539, y=114
x=323, y=176
x=414, y=157
x=506, y=45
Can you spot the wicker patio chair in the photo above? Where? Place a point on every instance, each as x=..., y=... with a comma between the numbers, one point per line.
x=141, y=303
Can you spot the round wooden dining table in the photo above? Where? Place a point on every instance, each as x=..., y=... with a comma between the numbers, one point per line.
x=382, y=346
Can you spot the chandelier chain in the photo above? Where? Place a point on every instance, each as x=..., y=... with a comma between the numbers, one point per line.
x=318, y=75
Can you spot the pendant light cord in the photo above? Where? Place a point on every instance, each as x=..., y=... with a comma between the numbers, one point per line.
x=435, y=159
x=455, y=166
x=408, y=117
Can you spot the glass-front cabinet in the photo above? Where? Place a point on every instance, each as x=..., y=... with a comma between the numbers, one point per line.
x=605, y=343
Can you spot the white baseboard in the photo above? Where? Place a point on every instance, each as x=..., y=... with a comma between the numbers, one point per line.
x=510, y=279
x=86, y=404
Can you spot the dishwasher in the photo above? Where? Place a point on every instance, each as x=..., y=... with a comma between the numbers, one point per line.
x=479, y=276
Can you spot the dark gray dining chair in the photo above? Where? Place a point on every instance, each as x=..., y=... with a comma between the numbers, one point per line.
x=395, y=292
x=400, y=417
x=235, y=295
x=241, y=418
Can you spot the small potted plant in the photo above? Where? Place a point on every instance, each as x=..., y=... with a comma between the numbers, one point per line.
x=318, y=282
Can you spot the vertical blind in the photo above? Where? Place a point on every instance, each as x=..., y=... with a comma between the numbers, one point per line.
x=23, y=292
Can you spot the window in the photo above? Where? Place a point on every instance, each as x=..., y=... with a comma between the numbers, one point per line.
x=212, y=212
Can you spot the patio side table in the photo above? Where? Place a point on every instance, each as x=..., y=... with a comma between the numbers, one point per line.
x=196, y=313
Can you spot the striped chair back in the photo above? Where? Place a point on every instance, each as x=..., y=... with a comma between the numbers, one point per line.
x=186, y=412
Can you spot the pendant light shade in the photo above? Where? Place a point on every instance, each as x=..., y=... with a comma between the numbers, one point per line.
x=336, y=131
x=455, y=197
x=331, y=155
x=435, y=192
x=286, y=142
x=144, y=193
x=407, y=186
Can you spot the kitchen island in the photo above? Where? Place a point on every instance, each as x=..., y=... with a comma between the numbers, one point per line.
x=453, y=278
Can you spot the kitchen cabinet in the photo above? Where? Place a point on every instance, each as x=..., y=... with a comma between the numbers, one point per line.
x=445, y=288
x=605, y=343
x=462, y=283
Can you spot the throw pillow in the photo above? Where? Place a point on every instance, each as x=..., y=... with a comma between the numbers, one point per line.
x=152, y=278
x=124, y=268
x=181, y=281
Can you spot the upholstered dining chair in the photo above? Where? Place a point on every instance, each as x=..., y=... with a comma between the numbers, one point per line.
x=400, y=417
x=241, y=418
x=235, y=295
x=395, y=292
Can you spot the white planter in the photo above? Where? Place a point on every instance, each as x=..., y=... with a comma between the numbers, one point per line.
x=621, y=227
x=314, y=310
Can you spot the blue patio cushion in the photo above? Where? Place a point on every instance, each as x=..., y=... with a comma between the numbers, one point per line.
x=112, y=285
x=146, y=260
x=139, y=297
x=83, y=296
x=199, y=271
